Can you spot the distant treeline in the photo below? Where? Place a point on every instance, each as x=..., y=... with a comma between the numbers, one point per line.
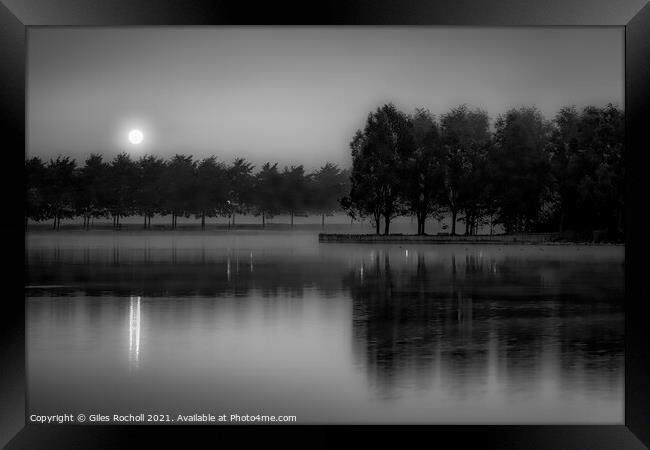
x=526, y=173
x=178, y=187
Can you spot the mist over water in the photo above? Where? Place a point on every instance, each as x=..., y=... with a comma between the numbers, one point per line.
x=276, y=323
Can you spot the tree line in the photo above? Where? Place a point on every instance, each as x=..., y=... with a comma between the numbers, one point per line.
x=178, y=187
x=524, y=173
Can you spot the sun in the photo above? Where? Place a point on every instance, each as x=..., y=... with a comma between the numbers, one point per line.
x=136, y=136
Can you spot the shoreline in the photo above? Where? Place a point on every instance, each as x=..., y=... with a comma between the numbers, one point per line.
x=502, y=239
x=342, y=237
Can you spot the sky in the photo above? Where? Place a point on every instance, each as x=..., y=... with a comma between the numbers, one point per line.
x=293, y=95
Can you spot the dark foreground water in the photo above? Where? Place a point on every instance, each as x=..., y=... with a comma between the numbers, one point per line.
x=277, y=324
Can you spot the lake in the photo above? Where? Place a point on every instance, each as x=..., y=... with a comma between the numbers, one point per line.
x=275, y=323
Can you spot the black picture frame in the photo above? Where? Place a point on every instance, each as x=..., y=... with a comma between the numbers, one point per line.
x=633, y=15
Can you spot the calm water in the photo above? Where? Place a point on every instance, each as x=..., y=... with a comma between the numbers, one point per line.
x=278, y=324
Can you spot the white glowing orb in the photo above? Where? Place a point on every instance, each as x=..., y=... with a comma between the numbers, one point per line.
x=135, y=137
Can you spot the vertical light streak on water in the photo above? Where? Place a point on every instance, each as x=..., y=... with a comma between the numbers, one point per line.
x=131, y=329
x=134, y=330
x=251, y=262
x=137, y=330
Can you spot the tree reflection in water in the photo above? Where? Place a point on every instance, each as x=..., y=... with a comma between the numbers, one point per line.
x=448, y=322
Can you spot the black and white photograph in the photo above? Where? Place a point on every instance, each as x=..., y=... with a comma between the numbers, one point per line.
x=243, y=225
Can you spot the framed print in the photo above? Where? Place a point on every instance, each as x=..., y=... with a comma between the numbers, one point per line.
x=290, y=218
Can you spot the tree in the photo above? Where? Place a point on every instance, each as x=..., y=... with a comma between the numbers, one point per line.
x=35, y=202
x=465, y=137
x=267, y=191
x=92, y=189
x=149, y=195
x=520, y=166
x=294, y=190
x=364, y=198
x=423, y=171
x=59, y=189
x=377, y=156
x=587, y=164
x=327, y=186
x=179, y=187
x=211, y=188
x=123, y=175
x=240, y=179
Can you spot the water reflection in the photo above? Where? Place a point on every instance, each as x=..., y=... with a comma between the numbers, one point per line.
x=422, y=327
x=356, y=333
x=134, y=331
